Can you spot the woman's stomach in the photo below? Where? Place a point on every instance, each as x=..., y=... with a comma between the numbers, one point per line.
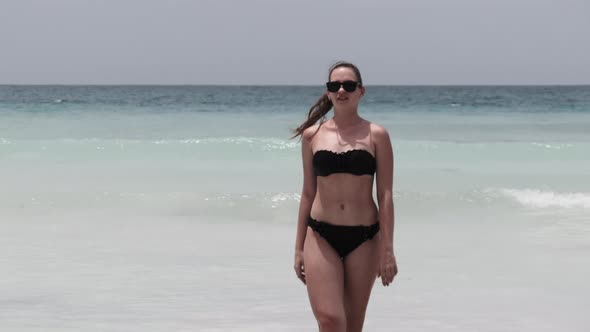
x=345, y=199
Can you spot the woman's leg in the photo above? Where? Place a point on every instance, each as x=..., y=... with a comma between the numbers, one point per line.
x=360, y=272
x=324, y=276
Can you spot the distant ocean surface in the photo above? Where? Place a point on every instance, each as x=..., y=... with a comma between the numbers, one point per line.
x=151, y=208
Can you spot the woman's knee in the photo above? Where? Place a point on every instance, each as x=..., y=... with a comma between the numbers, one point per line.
x=354, y=323
x=331, y=321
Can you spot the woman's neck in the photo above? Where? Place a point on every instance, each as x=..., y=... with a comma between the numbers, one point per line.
x=346, y=119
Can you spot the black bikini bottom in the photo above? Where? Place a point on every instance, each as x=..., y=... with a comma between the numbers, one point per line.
x=344, y=239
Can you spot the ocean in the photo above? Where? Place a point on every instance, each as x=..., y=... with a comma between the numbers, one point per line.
x=173, y=208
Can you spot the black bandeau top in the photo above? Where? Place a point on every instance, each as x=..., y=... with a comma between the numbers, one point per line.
x=356, y=162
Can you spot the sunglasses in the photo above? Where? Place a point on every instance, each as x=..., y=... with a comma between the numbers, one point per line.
x=349, y=86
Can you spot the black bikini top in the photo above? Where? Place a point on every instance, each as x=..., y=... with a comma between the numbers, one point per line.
x=356, y=162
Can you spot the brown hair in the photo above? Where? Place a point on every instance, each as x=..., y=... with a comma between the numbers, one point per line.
x=324, y=104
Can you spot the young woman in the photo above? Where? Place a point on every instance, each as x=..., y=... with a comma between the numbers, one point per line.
x=344, y=241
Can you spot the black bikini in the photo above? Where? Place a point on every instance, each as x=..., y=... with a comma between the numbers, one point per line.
x=344, y=239
x=356, y=162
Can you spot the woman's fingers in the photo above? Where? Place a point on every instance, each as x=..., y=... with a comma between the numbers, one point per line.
x=387, y=272
x=300, y=271
x=302, y=277
x=386, y=279
x=383, y=273
x=302, y=274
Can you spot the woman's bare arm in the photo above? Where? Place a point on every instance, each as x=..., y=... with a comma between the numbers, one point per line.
x=384, y=155
x=307, y=196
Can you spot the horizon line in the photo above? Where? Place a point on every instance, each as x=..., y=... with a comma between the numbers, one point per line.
x=294, y=85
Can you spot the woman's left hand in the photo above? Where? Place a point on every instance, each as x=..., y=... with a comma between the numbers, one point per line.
x=387, y=266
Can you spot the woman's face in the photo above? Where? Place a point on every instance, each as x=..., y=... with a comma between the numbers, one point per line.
x=341, y=97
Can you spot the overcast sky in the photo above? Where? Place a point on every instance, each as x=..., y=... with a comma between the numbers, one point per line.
x=294, y=42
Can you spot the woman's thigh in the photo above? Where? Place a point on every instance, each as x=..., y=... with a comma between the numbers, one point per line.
x=360, y=272
x=324, y=276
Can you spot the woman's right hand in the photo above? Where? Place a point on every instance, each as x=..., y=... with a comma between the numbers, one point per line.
x=299, y=266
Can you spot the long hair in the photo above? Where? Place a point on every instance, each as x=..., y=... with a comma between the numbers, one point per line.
x=324, y=104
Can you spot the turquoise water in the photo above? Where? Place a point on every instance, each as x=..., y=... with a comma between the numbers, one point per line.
x=100, y=184
x=212, y=141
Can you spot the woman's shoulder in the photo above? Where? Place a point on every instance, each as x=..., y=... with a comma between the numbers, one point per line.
x=309, y=132
x=378, y=132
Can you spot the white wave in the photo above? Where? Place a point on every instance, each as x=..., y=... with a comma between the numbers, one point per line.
x=274, y=198
x=4, y=141
x=266, y=143
x=262, y=143
x=282, y=197
x=553, y=146
x=546, y=199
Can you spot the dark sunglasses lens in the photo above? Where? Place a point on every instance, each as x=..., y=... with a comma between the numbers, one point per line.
x=349, y=86
x=333, y=86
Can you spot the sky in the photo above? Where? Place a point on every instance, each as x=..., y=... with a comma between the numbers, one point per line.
x=264, y=42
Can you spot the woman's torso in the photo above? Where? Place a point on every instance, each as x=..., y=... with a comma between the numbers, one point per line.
x=344, y=161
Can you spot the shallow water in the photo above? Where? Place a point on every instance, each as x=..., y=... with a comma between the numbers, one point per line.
x=173, y=208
